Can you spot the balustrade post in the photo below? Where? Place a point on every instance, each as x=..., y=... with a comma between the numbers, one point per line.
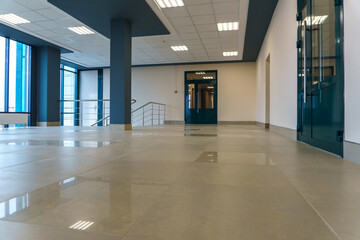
x=152, y=114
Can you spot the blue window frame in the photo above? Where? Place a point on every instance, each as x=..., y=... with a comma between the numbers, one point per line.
x=69, y=91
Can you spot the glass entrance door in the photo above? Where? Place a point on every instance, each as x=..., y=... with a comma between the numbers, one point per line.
x=320, y=74
x=201, y=98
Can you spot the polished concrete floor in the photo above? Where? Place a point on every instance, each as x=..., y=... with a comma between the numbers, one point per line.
x=173, y=182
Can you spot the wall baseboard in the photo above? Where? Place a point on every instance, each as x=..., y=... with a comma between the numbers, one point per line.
x=219, y=122
x=352, y=152
x=48, y=124
x=172, y=122
x=236, y=122
x=286, y=132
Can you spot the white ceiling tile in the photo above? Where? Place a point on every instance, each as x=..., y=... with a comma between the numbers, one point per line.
x=48, y=24
x=33, y=16
x=32, y=27
x=206, y=28
x=181, y=21
x=230, y=17
x=50, y=13
x=227, y=34
x=186, y=29
x=201, y=9
x=192, y=42
x=192, y=2
x=212, y=46
x=226, y=8
x=188, y=36
x=11, y=6
x=33, y=4
x=204, y=19
x=176, y=12
x=211, y=40
x=209, y=35
x=47, y=33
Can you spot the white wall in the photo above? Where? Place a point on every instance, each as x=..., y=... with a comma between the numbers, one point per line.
x=106, y=84
x=280, y=43
x=352, y=70
x=236, y=89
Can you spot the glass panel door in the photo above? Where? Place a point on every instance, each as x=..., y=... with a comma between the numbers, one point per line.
x=201, y=97
x=206, y=96
x=320, y=69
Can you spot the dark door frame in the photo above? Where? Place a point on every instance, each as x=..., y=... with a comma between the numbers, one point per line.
x=339, y=25
x=186, y=82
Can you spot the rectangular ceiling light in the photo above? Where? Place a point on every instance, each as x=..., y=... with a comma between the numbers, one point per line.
x=200, y=73
x=81, y=225
x=230, y=54
x=230, y=26
x=179, y=48
x=13, y=19
x=208, y=77
x=169, y=3
x=81, y=30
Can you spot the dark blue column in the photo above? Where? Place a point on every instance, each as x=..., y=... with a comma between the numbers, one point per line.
x=48, y=87
x=100, y=96
x=120, y=74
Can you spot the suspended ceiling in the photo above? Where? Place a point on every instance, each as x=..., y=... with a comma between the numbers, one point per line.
x=193, y=25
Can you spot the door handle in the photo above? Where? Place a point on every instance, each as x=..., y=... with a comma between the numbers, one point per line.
x=305, y=62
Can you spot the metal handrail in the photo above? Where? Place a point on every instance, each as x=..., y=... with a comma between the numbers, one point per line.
x=133, y=101
x=93, y=100
x=87, y=114
x=161, y=104
x=101, y=120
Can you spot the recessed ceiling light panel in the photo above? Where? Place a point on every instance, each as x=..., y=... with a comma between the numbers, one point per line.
x=230, y=26
x=230, y=54
x=81, y=30
x=179, y=48
x=13, y=19
x=169, y=3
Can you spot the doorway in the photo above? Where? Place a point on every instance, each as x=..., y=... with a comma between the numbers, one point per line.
x=267, y=93
x=321, y=74
x=201, y=97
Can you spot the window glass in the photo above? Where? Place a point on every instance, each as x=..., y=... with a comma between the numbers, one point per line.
x=2, y=74
x=191, y=96
x=19, y=76
x=68, y=81
x=206, y=96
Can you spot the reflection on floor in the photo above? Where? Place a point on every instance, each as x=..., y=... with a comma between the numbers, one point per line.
x=225, y=182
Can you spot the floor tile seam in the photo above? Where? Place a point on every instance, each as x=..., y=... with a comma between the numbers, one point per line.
x=75, y=174
x=5, y=168
x=323, y=219
x=147, y=212
x=61, y=228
